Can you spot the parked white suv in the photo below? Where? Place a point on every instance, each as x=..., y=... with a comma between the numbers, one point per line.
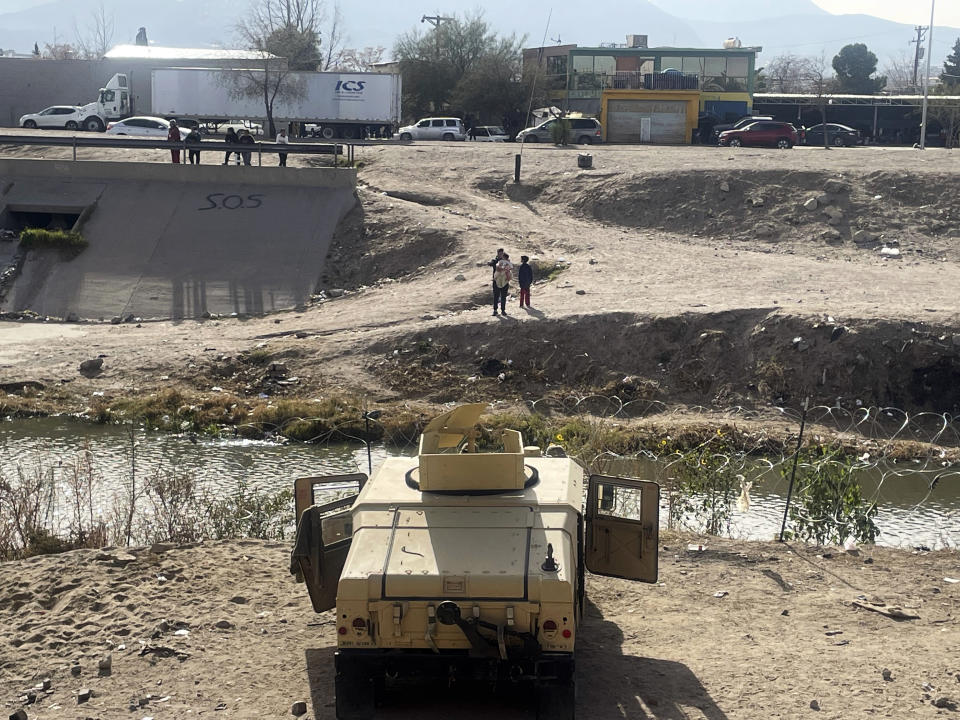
x=442, y=128
x=58, y=116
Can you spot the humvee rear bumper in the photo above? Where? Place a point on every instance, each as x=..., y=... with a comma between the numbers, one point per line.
x=361, y=676
x=543, y=668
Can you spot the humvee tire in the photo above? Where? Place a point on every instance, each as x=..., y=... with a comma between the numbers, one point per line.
x=355, y=694
x=557, y=701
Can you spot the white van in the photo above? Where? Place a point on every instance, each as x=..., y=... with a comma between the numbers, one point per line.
x=442, y=128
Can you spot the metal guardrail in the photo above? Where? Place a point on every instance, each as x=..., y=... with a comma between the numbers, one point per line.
x=346, y=150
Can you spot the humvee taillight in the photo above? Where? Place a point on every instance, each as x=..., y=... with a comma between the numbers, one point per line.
x=549, y=628
x=342, y=630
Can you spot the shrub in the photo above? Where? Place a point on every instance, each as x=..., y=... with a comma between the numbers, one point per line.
x=38, y=238
x=705, y=484
x=560, y=132
x=829, y=505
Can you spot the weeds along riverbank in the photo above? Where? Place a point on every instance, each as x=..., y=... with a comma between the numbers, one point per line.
x=704, y=468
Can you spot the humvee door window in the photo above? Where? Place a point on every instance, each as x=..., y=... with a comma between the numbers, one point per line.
x=335, y=526
x=619, y=501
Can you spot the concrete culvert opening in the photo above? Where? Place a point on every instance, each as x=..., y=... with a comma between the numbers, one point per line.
x=44, y=219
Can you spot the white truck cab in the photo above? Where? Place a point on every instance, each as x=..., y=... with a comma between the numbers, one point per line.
x=113, y=103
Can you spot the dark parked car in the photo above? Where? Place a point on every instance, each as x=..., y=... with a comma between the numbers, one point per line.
x=765, y=133
x=836, y=135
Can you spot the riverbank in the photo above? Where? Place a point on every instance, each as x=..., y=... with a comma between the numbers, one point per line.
x=736, y=631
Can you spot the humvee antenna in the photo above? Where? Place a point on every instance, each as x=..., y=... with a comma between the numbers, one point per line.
x=550, y=564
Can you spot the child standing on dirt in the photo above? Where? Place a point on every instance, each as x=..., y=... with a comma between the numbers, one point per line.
x=524, y=279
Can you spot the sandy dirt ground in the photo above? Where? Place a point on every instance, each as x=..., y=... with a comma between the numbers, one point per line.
x=687, y=266
x=737, y=630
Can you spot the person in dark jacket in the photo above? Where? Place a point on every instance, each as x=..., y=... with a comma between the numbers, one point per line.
x=194, y=153
x=230, y=139
x=493, y=264
x=524, y=279
x=173, y=135
x=246, y=139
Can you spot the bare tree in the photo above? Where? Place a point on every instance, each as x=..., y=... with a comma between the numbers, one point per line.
x=96, y=41
x=333, y=55
x=284, y=37
x=785, y=73
x=816, y=82
x=360, y=60
x=945, y=112
x=59, y=51
x=899, y=72
x=303, y=15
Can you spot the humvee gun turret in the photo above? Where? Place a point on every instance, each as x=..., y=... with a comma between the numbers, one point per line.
x=459, y=563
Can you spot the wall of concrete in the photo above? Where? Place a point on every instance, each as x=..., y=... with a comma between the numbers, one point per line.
x=175, y=241
x=28, y=85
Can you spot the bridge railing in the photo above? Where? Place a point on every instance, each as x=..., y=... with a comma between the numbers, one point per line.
x=337, y=150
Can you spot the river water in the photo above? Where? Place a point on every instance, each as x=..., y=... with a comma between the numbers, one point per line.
x=910, y=513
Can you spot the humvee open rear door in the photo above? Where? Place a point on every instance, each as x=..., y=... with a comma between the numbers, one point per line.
x=324, y=533
x=623, y=518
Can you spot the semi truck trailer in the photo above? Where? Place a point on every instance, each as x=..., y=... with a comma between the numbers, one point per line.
x=338, y=104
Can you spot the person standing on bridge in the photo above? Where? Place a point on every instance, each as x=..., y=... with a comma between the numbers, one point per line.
x=230, y=139
x=245, y=138
x=194, y=153
x=173, y=135
x=283, y=139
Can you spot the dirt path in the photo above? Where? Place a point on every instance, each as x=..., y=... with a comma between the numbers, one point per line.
x=223, y=623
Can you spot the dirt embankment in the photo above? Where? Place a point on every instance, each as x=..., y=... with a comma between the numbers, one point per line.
x=669, y=276
x=736, y=631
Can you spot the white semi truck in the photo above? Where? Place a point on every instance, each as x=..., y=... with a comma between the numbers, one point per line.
x=338, y=104
x=112, y=103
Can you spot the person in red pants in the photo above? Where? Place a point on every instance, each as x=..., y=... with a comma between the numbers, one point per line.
x=524, y=279
x=174, y=136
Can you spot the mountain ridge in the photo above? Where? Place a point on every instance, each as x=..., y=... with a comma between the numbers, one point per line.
x=806, y=30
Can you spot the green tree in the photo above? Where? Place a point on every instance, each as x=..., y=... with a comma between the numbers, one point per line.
x=489, y=86
x=461, y=65
x=854, y=65
x=760, y=81
x=951, y=68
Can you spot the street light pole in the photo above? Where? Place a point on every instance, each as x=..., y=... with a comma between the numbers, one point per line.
x=926, y=80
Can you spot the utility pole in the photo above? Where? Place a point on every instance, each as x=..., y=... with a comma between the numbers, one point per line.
x=926, y=80
x=918, y=50
x=435, y=20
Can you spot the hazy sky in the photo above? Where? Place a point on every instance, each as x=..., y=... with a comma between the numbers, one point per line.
x=916, y=12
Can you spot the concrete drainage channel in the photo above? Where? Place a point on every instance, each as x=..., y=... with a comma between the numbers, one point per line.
x=167, y=241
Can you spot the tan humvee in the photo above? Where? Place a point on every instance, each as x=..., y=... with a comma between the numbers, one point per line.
x=465, y=563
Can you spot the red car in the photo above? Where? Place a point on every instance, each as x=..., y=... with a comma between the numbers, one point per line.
x=763, y=133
